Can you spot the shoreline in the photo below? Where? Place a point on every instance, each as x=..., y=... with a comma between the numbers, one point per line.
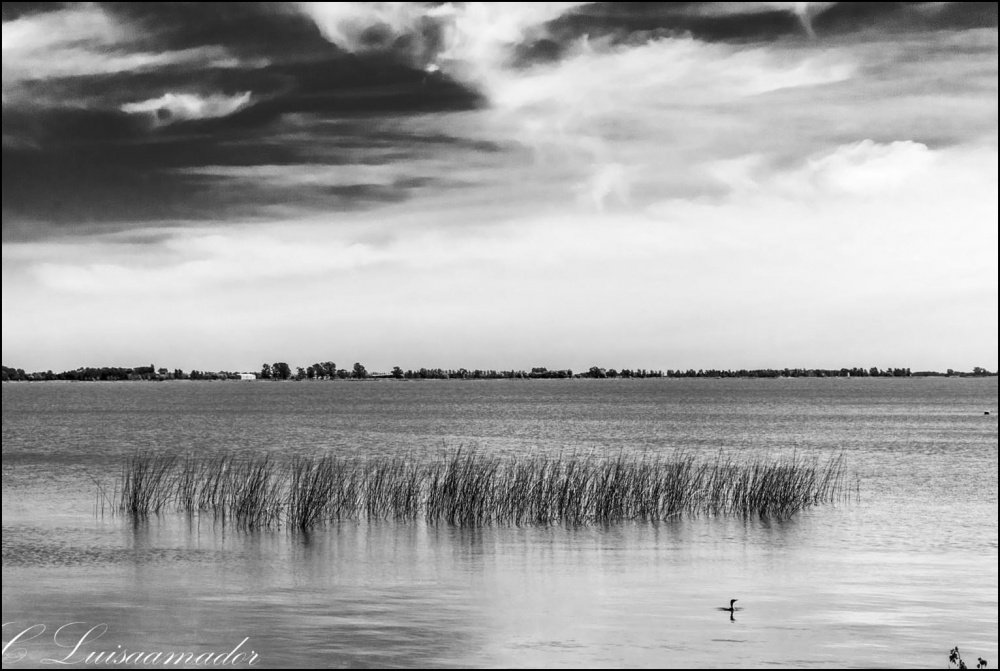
x=519, y=379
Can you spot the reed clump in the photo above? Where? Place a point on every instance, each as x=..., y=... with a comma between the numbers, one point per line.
x=469, y=488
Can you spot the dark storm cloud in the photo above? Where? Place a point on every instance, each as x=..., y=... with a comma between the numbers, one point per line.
x=98, y=191
x=849, y=17
x=537, y=51
x=106, y=167
x=246, y=29
x=343, y=84
x=731, y=22
x=639, y=19
x=89, y=169
x=71, y=156
x=106, y=172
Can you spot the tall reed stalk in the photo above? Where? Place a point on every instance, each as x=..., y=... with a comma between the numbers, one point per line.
x=469, y=488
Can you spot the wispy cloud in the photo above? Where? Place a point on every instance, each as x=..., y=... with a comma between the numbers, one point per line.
x=173, y=107
x=84, y=40
x=862, y=168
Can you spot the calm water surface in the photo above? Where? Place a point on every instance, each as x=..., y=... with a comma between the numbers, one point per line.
x=895, y=579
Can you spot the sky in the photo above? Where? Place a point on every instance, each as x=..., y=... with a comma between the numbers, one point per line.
x=500, y=185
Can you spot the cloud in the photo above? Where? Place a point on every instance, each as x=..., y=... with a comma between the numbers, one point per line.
x=465, y=40
x=669, y=72
x=901, y=187
x=173, y=107
x=254, y=32
x=612, y=107
x=83, y=40
x=401, y=27
x=35, y=35
x=804, y=11
x=866, y=167
x=904, y=17
x=770, y=21
x=196, y=260
x=858, y=169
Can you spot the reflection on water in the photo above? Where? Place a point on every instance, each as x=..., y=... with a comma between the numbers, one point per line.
x=413, y=595
x=896, y=580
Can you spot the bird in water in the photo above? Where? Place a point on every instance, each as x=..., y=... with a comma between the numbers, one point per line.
x=732, y=606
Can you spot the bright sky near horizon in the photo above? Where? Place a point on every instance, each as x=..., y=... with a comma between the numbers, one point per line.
x=500, y=185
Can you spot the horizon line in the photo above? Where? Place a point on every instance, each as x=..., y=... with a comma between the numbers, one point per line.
x=281, y=371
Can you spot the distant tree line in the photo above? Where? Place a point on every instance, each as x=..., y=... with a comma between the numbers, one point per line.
x=824, y=372
x=280, y=371
x=795, y=372
x=329, y=371
x=114, y=374
x=611, y=373
x=478, y=374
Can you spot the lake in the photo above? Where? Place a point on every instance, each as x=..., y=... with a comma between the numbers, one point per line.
x=895, y=578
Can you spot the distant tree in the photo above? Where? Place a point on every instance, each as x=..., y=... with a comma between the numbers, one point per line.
x=397, y=372
x=300, y=373
x=281, y=371
x=265, y=372
x=359, y=372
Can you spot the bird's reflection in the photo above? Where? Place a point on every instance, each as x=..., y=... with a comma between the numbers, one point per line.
x=731, y=610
